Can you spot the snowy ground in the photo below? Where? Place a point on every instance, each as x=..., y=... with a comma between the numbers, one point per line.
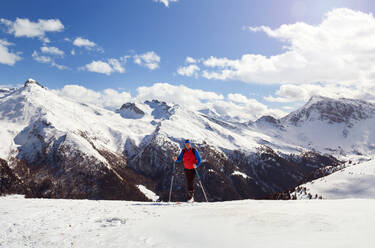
x=354, y=181
x=249, y=223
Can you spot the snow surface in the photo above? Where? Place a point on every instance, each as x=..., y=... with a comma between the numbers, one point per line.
x=355, y=181
x=239, y=173
x=249, y=223
x=148, y=193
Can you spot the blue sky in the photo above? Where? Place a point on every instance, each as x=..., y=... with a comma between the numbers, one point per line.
x=122, y=30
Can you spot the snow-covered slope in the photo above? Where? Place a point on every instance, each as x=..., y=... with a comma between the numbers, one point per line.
x=33, y=108
x=340, y=127
x=36, y=107
x=272, y=224
x=353, y=181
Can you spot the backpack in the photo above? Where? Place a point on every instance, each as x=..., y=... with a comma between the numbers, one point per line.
x=192, y=149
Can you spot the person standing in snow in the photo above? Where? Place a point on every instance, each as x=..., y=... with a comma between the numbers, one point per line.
x=192, y=160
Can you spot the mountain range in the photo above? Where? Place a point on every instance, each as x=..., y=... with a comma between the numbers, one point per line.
x=55, y=147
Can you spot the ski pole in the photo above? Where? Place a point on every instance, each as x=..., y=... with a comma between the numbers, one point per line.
x=199, y=179
x=173, y=172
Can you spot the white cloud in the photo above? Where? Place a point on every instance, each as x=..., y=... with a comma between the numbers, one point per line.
x=149, y=59
x=236, y=97
x=109, y=67
x=5, y=43
x=165, y=2
x=47, y=60
x=220, y=62
x=52, y=50
x=41, y=58
x=190, y=60
x=81, y=42
x=23, y=27
x=233, y=106
x=290, y=93
x=85, y=43
x=73, y=52
x=190, y=70
x=108, y=98
x=100, y=67
x=116, y=65
x=301, y=93
x=7, y=57
x=176, y=94
x=341, y=49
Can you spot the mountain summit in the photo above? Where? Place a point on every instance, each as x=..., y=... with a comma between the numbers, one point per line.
x=331, y=110
x=31, y=81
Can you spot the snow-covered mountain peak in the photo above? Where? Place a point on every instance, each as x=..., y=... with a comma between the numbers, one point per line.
x=130, y=110
x=31, y=81
x=161, y=110
x=331, y=110
x=316, y=98
x=268, y=119
x=267, y=122
x=338, y=126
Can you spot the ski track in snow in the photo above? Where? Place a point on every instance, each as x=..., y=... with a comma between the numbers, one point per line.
x=251, y=223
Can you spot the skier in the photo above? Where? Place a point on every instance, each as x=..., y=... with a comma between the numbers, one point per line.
x=192, y=160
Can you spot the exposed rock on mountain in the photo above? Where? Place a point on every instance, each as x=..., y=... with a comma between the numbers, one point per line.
x=131, y=111
x=161, y=110
x=9, y=181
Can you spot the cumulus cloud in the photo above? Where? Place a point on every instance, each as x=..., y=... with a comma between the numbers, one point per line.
x=52, y=50
x=232, y=107
x=23, y=27
x=190, y=70
x=301, y=93
x=47, y=60
x=85, y=43
x=338, y=50
x=176, y=94
x=165, y=2
x=190, y=60
x=149, y=59
x=109, y=67
x=81, y=42
x=41, y=58
x=7, y=57
x=108, y=98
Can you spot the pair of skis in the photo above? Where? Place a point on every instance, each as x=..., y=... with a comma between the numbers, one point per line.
x=199, y=179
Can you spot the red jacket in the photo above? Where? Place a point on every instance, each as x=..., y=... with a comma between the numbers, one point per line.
x=189, y=158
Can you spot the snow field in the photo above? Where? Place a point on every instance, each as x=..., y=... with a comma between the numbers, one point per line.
x=249, y=223
x=354, y=181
